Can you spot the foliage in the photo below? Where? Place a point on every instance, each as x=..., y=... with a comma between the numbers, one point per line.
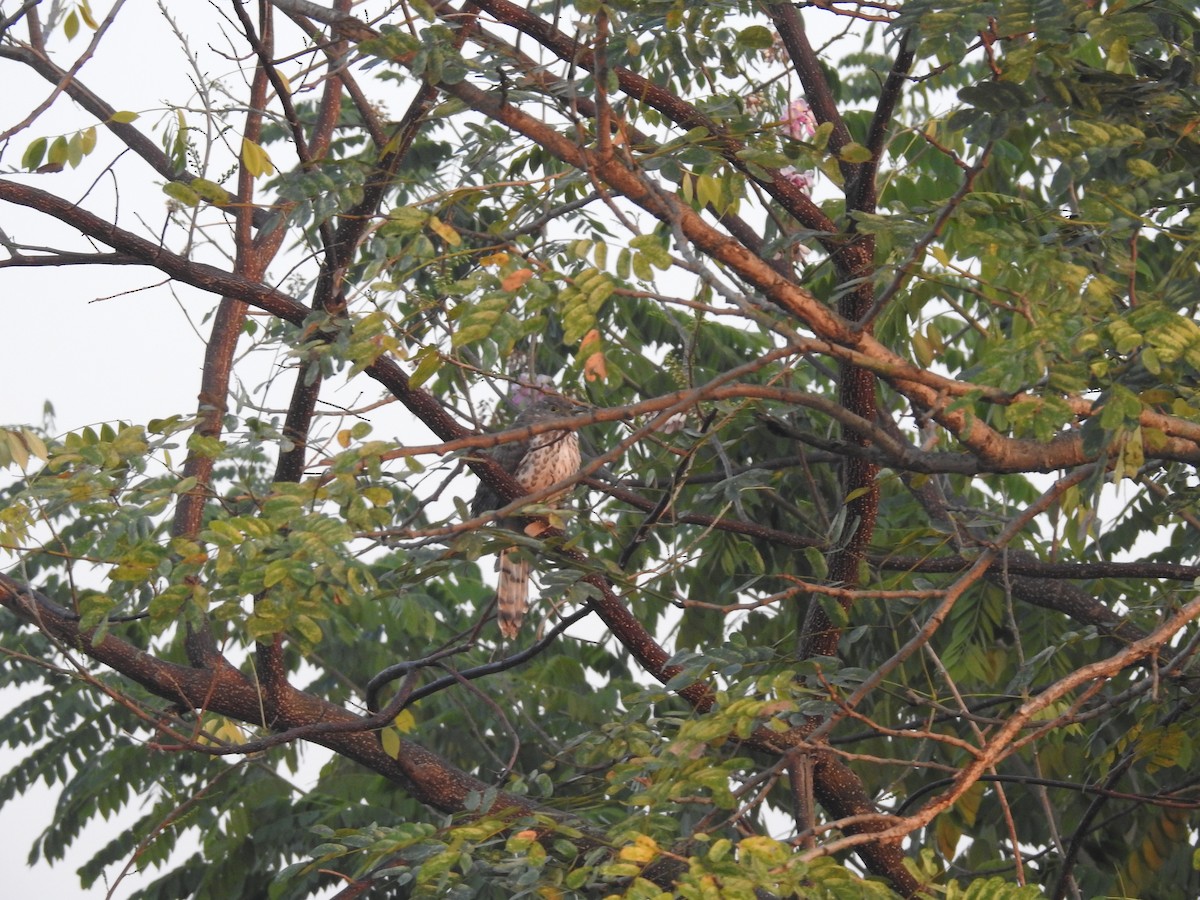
x=878, y=576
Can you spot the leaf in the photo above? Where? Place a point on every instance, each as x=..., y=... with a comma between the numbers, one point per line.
x=309, y=629
x=643, y=850
x=478, y=320
x=429, y=361
x=708, y=193
x=756, y=37
x=651, y=247
x=408, y=218
x=922, y=350
x=391, y=741
x=514, y=281
x=75, y=150
x=58, y=151
x=18, y=452
x=854, y=153
x=444, y=231
x=276, y=572
x=85, y=10
x=405, y=722
x=255, y=159
x=34, y=153
x=123, y=117
x=35, y=444
x=592, y=350
x=210, y=191
x=177, y=190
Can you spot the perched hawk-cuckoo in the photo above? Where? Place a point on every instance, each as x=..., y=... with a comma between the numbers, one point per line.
x=536, y=463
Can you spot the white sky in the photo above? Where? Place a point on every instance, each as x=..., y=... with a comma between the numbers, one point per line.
x=133, y=357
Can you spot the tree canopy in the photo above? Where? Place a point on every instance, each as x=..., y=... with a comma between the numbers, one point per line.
x=877, y=577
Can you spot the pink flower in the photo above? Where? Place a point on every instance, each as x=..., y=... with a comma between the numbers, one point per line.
x=800, y=122
x=802, y=180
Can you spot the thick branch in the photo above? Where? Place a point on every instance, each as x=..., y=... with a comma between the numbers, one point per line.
x=227, y=691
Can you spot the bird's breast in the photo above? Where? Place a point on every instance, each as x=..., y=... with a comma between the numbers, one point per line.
x=551, y=457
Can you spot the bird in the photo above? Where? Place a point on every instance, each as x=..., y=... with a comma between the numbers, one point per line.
x=535, y=462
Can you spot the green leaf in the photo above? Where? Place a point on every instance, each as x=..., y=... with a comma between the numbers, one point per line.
x=58, y=151
x=408, y=218
x=854, y=153
x=34, y=153
x=651, y=248
x=756, y=37
x=428, y=363
x=179, y=191
x=210, y=191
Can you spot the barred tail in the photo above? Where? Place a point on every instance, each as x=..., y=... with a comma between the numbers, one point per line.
x=512, y=591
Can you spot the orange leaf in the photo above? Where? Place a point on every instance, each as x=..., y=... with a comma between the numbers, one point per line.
x=591, y=347
x=514, y=281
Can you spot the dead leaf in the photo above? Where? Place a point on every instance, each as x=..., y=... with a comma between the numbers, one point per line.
x=592, y=348
x=514, y=281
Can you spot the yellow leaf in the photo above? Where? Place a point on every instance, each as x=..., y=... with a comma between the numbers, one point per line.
x=637, y=854
x=494, y=259
x=343, y=438
x=642, y=850
x=86, y=11
x=968, y=803
x=390, y=739
x=405, y=721
x=35, y=444
x=255, y=159
x=922, y=349
x=17, y=449
x=230, y=732
x=444, y=231
x=948, y=836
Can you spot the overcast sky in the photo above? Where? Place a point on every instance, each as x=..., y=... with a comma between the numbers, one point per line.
x=95, y=356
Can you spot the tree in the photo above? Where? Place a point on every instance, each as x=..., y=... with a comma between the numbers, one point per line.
x=877, y=575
